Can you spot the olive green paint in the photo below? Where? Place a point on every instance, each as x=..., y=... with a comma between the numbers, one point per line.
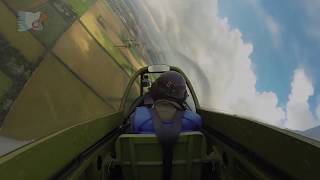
x=291, y=154
x=5, y=84
x=42, y=159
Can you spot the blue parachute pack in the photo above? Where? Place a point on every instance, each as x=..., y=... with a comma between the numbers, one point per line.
x=143, y=121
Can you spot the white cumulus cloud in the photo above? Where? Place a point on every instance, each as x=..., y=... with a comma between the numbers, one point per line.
x=299, y=115
x=190, y=35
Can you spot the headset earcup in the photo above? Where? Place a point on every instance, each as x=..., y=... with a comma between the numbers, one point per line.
x=185, y=95
x=156, y=90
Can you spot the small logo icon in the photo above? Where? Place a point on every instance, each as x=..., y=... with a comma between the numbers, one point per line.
x=29, y=20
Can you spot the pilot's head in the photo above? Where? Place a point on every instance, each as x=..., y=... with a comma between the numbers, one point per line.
x=170, y=86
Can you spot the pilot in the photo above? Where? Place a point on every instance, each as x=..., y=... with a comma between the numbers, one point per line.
x=167, y=116
x=168, y=110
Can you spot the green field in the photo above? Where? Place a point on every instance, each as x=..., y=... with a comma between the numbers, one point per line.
x=107, y=37
x=53, y=99
x=53, y=27
x=92, y=64
x=136, y=55
x=23, y=41
x=116, y=53
x=25, y=5
x=79, y=6
x=5, y=84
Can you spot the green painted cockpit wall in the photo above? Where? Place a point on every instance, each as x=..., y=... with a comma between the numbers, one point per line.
x=263, y=151
x=68, y=73
x=46, y=157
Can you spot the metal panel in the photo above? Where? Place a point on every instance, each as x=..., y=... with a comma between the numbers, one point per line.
x=275, y=151
x=44, y=158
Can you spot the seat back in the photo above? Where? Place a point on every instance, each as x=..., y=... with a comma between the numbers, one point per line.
x=140, y=156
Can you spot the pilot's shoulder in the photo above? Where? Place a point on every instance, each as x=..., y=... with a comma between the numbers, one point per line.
x=140, y=117
x=191, y=116
x=142, y=113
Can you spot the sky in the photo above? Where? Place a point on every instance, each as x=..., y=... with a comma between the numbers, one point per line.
x=286, y=37
x=257, y=59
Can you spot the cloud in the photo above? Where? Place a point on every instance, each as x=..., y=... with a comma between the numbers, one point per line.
x=312, y=7
x=190, y=32
x=299, y=115
x=272, y=25
x=312, y=26
x=313, y=31
x=193, y=28
x=318, y=111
